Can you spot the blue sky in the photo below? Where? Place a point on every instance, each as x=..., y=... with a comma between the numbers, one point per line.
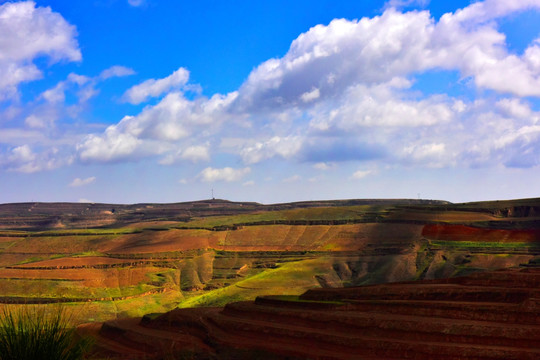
x=126, y=101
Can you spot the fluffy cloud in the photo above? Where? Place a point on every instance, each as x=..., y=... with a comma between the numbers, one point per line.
x=51, y=104
x=116, y=71
x=327, y=60
x=515, y=108
x=344, y=92
x=24, y=159
x=484, y=11
x=193, y=153
x=429, y=154
x=196, y=153
x=77, y=182
x=332, y=58
x=310, y=95
x=284, y=147
x=381, y=106
x=154, y=88
x=56, y=94
x=85, y=85
x=360, y=174
x=113, y=146
x=156, y=129
x=42, y=119
x=27, y=32
x=226, y=174
x=323, y=166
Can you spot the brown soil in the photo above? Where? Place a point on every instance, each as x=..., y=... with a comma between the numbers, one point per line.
x=387, y=241
x=161, y=241
x=104, y=278
x=492, y=315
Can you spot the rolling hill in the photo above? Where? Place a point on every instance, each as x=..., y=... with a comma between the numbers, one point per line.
x=109, y=261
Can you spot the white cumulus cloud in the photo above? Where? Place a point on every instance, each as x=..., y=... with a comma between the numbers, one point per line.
x=323, y=166
x=154, y=88
x=310, y=95
x=77, y=182
x=24, y=159
x=284, y=147
x=227, y=174
x=28, y=32
x=158, y=129
x=194, y=153
x=116, y=71
x=360, y=174
x=345, y=91
x=113, y=146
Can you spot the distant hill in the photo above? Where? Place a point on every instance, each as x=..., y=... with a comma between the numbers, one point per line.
x=111, y=260
x=43, y=216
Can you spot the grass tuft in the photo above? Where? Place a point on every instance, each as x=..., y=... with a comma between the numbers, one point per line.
x=35, y=333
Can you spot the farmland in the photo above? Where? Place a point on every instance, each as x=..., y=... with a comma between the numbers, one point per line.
x=149, y=258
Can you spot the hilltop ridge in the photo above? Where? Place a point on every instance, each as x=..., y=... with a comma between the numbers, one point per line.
x=44, y=215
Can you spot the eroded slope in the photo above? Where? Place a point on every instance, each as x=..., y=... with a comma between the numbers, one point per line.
x=492, y=315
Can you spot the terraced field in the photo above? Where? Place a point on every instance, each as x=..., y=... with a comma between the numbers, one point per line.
x=489, y=316
x=147, y=258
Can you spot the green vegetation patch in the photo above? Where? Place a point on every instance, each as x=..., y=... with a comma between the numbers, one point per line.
x=483, y=244
x=34, y=259
x=292, y=278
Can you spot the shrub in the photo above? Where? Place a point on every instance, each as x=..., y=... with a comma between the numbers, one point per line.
x=35, y=333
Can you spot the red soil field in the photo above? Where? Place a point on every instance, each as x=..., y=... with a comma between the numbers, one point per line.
x=104, y=278
x=468, y=233
x=448, y=216
x=162, y=241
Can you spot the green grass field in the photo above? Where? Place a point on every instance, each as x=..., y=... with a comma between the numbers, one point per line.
x=292, y=278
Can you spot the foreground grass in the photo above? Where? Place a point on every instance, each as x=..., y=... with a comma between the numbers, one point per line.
x=35, y=333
